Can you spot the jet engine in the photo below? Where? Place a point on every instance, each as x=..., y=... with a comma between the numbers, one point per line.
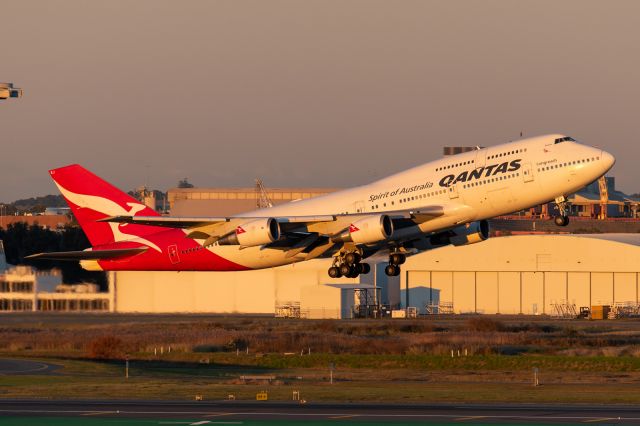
x=369, y=230
x=470, y=233
x=254, y=233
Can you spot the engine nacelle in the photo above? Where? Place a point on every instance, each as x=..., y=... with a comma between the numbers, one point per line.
x=368, y=230
x=254, y=233
x=470, y=233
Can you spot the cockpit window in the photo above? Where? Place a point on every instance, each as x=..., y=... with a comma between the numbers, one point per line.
x=565, y=139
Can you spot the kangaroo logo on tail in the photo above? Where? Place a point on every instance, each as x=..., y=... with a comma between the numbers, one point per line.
x=108, y=201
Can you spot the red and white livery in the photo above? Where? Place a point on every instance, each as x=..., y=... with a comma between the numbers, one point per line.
x=447, y=201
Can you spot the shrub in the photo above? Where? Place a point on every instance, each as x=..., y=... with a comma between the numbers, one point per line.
x=484, y=323
x=106, y=347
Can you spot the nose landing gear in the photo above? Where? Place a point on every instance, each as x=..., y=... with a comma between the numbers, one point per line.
x=561, y=220
x=348, y=265
x=563, y=205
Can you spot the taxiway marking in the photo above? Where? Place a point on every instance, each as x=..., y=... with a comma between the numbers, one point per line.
x=98, y=413
x=461, y=419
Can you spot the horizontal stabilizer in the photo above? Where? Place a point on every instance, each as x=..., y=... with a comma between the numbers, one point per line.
x=88, y=255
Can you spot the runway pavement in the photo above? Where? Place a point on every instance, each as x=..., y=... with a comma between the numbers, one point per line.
x=10, y=366
x=257, y=412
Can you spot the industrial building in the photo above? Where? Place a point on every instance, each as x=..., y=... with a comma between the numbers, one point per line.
x=528, y=274
x=228, y=201
x=303, y=287
x=50, y=221
x=599, y=200
x=23, y=288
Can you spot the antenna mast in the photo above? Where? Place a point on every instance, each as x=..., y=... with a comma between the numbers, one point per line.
x=262, y=198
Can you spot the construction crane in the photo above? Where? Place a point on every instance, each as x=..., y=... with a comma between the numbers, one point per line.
x=8, y=91
x=604, y=197
x=262, y=198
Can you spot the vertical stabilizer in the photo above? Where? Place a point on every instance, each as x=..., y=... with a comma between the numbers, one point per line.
x=92, y=198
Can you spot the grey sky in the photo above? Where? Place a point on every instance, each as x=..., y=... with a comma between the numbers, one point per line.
x=305, y=93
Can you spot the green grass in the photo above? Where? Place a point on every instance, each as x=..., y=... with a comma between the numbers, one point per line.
x=371, y=361
x=160, y=380
x=424, y=362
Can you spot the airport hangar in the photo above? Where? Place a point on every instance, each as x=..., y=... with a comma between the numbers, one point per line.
x=525, y=274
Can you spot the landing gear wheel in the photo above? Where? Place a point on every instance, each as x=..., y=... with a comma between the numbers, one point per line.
x=365, y=268
x=397, y=258
x=352, y=258
x=563, y=208
x=355, y=271
x=334, y=272
x=392, y=270
x=345, y=270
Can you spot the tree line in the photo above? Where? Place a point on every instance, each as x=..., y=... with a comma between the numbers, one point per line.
x=21, y=239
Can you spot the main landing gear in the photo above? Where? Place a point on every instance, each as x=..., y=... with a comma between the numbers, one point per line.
x=395, y=260
x=348, y=265
x=563, y=205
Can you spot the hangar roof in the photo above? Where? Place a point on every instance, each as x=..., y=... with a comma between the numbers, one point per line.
x=548, y=252
x=632, y=239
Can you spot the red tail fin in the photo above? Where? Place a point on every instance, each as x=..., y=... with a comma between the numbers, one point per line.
x=91, y=198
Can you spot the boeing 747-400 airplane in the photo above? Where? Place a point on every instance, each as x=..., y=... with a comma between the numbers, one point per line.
x=447, y=201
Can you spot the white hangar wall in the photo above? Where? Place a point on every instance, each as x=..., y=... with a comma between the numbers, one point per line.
x=508, y=275
x=525, y=274
x=258, y=292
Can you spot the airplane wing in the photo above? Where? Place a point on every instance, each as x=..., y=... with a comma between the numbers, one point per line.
x=323, y=223
x=298, y=232
x=195, y=222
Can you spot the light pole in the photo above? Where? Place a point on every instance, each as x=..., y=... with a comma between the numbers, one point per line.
x=8, y=91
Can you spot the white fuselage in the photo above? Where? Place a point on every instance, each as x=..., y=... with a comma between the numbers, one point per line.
x=471, y=186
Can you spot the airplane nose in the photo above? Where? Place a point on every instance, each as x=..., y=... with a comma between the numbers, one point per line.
x=608, y=160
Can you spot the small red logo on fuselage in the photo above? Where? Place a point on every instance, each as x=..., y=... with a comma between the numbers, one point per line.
x=240, y=230
x=353, y=228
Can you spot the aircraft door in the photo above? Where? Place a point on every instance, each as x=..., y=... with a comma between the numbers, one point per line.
x=453, y=191
x=527, y=172
x=481, y=158
x=173, y=254
x=358, y=207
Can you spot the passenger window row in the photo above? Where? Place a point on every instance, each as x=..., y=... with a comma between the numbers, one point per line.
x=490, y=180
x=451, y=166
x=569, y=163
x=504, y=154
x=412, y=198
